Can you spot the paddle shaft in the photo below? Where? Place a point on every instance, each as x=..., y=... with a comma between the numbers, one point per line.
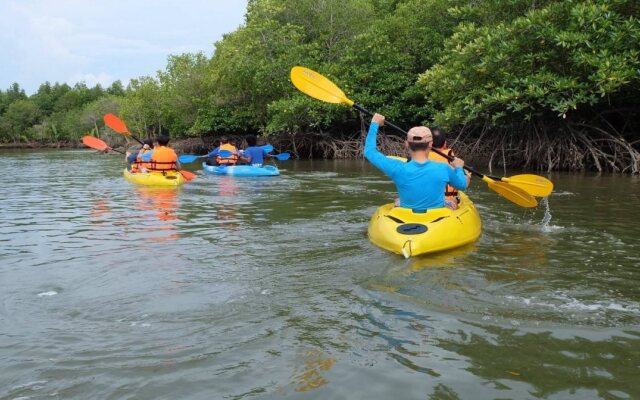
x=136, y=139
x=450, y=158
x=396, y=127
x=321, y=88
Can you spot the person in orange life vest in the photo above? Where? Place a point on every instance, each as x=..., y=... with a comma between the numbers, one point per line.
x=135, y=159
x=163, y=157
x=216, y=159
x=451, y=198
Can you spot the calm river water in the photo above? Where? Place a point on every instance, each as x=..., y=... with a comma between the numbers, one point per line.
x=241, y=288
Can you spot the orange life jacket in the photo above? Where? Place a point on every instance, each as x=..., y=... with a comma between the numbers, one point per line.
x=163, y=159
x=450, y=192
x=228, y=160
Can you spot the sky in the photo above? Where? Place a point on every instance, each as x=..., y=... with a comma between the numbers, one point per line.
x=101, y=41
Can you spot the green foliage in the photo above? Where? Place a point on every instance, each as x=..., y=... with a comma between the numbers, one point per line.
x=116, y=89
x=250, y=69
x=18, y=118
x=141, y=108
x=91, y=115
x=77, y=97
x=491, y=63
x=492, y=12
x=13, y=94
x=299, y=113
x=374, y=49
x=329, y=23
x=54, y=113
x=570, y=55
x=183, y=91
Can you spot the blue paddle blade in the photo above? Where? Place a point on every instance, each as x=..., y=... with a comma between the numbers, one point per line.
x=267, y=148
x=282, y=156
x=188, y=158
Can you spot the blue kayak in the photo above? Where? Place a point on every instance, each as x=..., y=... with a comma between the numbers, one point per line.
x=242, y=170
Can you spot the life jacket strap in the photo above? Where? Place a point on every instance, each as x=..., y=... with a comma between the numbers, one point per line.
x=159, y=165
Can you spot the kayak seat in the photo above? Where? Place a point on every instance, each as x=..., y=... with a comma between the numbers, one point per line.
x=412, y=229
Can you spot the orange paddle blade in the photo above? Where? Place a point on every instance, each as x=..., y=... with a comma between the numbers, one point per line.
x=95, y=143
x=116, y=124
x=189, y=176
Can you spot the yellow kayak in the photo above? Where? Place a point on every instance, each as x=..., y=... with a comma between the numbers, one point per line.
x=402, y=231
x=168, y=178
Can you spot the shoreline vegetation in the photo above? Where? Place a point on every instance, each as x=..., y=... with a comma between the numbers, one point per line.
x=543, y=86
x=497, y=151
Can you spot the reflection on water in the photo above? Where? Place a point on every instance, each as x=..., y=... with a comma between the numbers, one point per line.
x=159, y=202
x=250, y=288
x=99, y=211
x=158, y=207
x=226, y=208
x=440, y=260
x=310, y=375
x=570, y=362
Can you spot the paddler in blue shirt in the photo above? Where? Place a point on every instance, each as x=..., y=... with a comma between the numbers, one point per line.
x=420, y=182
x=253, y=154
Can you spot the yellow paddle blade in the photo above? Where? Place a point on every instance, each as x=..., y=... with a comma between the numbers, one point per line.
x=317, y=86
x=535, y=185
x=403, y=159
x=512, y=193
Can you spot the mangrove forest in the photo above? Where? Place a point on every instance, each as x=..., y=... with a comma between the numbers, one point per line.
x=537, y=84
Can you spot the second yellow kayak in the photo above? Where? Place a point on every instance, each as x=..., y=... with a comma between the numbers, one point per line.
x=168, y=178
x=402, y=231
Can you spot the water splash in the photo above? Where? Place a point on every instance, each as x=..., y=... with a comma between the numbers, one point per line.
x=547, y=215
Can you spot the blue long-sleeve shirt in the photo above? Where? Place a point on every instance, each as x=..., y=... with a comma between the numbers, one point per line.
x=255, y=154
x=420, y=185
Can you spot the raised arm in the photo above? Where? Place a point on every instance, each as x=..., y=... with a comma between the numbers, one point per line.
x=371, y=153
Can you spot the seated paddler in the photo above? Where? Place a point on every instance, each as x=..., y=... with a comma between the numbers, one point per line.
x=163, y=158
x=420, y=182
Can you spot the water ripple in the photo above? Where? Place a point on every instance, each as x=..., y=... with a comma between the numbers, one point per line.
x=242, y=288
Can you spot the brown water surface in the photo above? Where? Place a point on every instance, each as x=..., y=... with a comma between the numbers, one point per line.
x=238, y=288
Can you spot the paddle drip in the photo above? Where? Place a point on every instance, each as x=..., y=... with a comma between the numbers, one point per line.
x=406, y=252
x=547, y=214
